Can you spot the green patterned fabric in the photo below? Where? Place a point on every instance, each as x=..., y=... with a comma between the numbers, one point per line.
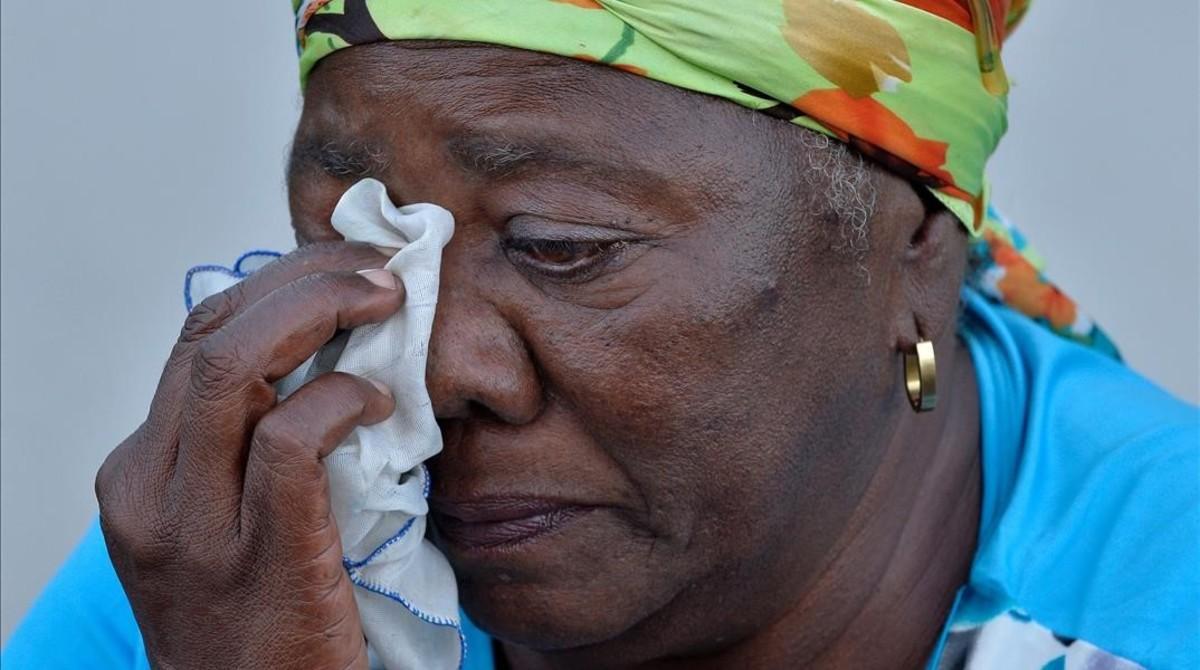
x=917, y=85
x=900, y=82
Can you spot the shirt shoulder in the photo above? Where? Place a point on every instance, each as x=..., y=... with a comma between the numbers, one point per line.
x=1091, y=520
x=81, y=619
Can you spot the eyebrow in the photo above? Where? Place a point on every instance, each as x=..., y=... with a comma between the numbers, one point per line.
x=493, y=154
x=355, y=158
x=497, y=156
x=490, y=155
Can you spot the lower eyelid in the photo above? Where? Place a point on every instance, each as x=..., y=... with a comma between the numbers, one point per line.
x=581, y=271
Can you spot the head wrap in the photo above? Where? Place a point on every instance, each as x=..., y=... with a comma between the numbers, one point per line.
x=917, y=85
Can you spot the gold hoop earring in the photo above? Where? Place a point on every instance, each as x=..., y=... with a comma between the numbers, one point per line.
x=920, y=377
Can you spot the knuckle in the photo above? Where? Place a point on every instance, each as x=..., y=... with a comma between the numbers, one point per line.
x=129, y=518
x=280, y=442
x=108, y=484
x=123, y=474
x=206, y=317
x=145, y=546
x=135, y=534
x=215, y=364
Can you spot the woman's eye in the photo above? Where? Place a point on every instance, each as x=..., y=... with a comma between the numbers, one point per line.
x=561, y=252
x=563, y=259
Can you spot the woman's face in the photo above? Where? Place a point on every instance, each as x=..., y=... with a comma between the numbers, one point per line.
x=661, y=389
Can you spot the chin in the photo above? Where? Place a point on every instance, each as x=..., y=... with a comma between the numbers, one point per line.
x=580, y=584
x=544, y=618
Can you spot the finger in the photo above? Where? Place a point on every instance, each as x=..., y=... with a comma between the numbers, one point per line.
x=285, y=480
x=307, y=260
x=234, y=368
x=278, y=333
x=162, y=424
x=217, y=310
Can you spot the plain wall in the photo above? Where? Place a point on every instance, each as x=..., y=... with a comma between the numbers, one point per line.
x=139, y=142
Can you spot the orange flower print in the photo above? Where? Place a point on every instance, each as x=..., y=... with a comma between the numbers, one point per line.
x=1024, y=289
x=951, y=10
x=312, y=8
x=848, y=45
x=1006, y=12
x=309, y=11
x=875, y=125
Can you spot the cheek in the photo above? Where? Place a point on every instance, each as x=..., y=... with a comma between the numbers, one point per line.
x=668, y=388
x=311, y=201
x=726, y=394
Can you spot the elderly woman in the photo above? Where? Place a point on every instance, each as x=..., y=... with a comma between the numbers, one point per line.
x=715, y=391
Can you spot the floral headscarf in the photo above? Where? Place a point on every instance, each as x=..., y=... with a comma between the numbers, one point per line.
x=917, y=85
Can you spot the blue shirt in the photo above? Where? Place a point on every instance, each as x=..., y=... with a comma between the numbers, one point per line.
x=1089, y=529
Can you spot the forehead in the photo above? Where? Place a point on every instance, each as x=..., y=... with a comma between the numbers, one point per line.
x=470, y=77
x=429, y=116
x=370, y=92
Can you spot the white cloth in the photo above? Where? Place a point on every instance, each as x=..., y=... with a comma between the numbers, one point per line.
x=405, y=589
x=406, y=593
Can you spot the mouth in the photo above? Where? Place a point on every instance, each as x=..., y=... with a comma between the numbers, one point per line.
x=498, y=524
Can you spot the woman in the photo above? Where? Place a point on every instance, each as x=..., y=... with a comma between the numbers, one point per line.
x=714, y=391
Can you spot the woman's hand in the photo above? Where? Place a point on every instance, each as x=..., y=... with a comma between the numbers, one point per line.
x=216, y=510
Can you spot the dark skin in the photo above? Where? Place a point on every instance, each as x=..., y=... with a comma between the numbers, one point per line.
x=641, y=312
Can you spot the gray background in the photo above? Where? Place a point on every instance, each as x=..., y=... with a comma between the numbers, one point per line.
x=132, y=149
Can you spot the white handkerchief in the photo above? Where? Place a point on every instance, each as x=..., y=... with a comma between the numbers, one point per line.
x=406, y=594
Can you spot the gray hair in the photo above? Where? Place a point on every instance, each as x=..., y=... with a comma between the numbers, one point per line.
x=850, y=193
x=834, y=181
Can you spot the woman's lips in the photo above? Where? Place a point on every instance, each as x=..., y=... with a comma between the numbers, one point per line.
x=496, y=523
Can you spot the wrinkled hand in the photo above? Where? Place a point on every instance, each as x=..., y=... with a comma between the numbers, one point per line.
x=216, y=510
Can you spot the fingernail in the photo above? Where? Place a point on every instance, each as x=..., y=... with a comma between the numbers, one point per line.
x=382, y=389
x=386, y=251
x=379, y=277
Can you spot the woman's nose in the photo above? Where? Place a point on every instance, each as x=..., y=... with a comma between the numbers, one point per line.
x=478, y=364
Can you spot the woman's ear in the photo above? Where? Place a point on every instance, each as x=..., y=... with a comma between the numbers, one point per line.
x=931, y=255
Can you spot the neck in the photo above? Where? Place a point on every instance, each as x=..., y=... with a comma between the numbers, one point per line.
x=892, y=578
x=909, y=546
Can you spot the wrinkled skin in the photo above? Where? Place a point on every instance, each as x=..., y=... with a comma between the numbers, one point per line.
x=642, y=311
x=216, y=509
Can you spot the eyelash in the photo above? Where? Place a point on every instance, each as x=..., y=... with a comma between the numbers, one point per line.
x=589, y=256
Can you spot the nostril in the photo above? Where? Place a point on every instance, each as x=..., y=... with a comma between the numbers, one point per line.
x=485, y=414
x=479, y=369
x=473, y=411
